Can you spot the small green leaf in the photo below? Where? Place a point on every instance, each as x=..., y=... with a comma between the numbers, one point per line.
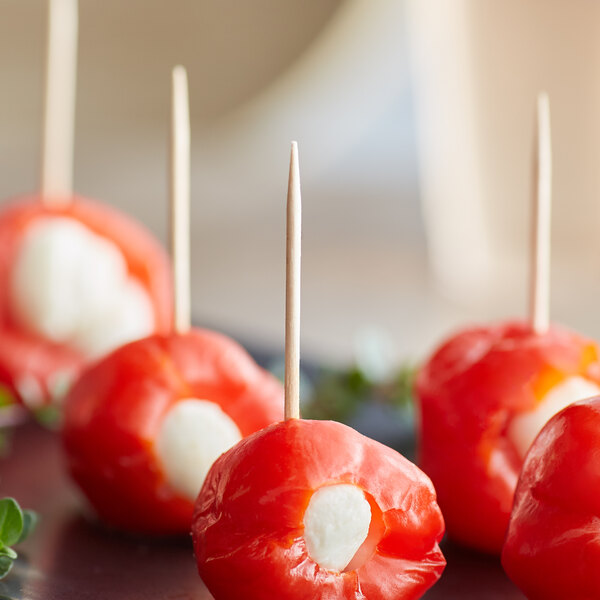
x=6, y=551
x=30, y=519
x=5, y=566
x=11, y=521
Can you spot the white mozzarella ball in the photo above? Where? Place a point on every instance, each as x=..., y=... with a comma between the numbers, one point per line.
x=71, y=285
x=336, y=523
x=192, y=436
x=524, y=428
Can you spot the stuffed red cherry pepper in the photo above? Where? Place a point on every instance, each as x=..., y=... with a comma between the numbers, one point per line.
x=484, y=395
x=552, y=549
x=313, y=509
x=76, y=281
x=143, y=426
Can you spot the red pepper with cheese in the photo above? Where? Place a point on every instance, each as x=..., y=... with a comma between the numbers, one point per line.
x=143, y=426
x=483, y=397
x=552, y=549
x=77, y=279
x=312, y=509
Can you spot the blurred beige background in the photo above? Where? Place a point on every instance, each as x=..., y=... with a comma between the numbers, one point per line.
x=477, y=69
x=335, y=75
x=331, y=74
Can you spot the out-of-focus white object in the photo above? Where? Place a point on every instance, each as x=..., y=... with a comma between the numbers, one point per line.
x=376, y=354
x=477, y=69
x=328, y=99
x=72, y=286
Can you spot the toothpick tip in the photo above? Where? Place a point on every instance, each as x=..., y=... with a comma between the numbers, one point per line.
x=179, y=72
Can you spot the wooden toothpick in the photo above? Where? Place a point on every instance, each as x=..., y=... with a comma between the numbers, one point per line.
x=180, y=199
x=292, y=290
x=539, y=296
x=59, y=103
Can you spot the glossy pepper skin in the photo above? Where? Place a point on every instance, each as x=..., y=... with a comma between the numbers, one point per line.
x=248, y=521
x=468, y=392
x=552, y=549
x=29, y=361
x=114, y=412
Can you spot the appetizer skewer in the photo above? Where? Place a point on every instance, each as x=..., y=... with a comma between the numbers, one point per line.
x=77, y=278
x=487, y=391
x=313, y=509
x=143, y=426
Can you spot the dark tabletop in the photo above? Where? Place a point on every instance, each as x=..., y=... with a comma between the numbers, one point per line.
x=70, y=558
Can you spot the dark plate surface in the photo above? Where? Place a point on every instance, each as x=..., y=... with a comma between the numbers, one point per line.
x=71, y=558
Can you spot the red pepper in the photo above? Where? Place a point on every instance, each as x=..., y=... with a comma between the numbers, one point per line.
x=552, y=550
x=114, y=413
x=469, y=392
x=28, y=361
x=248, y=523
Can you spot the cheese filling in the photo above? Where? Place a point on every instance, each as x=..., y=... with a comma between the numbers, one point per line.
x=524, y=428
x=72, y=286
x=192, y=436
x=336, y=523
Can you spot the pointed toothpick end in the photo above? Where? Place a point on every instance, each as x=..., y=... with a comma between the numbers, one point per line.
x=179, y=71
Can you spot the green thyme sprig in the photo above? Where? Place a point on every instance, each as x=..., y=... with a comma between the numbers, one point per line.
x=15, y=525
x=337, y=395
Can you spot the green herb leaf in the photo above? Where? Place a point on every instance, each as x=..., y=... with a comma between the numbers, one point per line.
x=338, y=395
x=5, y=566
x=15, y=526
x=6, y=551
x=30, y=520
x=11, y=521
